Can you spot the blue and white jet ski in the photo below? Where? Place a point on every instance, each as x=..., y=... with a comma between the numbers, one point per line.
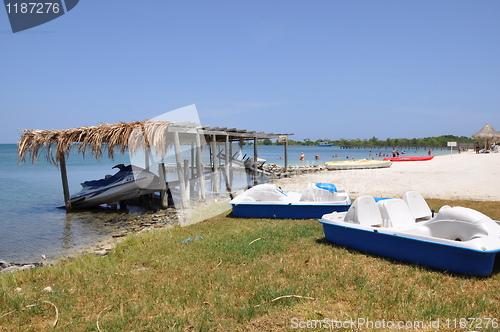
x=129, y=182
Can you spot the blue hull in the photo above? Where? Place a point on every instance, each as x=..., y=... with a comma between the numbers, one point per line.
x=439, y=256
x=281, y=211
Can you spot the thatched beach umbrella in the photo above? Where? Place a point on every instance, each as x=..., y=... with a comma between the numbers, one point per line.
x=487, y=133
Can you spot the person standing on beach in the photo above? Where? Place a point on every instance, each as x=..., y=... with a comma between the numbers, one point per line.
x=477, y=147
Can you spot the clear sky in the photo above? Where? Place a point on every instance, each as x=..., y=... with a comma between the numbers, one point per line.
x=318, y=69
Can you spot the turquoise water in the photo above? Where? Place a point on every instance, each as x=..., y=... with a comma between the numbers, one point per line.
x=31, y=224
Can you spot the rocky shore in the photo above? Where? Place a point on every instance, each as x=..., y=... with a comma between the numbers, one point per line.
x=123, y=224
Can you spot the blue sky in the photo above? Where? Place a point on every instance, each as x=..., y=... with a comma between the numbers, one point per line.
x=318, y=69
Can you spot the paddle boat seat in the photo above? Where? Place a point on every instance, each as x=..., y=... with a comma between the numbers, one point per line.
x=418, y=206
x=321, y=192
x=364, y=211
x=395, y=213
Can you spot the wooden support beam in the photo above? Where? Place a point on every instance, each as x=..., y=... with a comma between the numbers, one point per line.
x=199, y=169
x=186, y=179
x=178, y=159
x=226, y=168
x=163, y=191
x=192, y=170
x=255, y=158
x=215, y=161
x=64, y=178
x=286, y=155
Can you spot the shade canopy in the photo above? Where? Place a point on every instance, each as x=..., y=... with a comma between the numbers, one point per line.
x=487, y=133
x=56, y=144
x=157, y=136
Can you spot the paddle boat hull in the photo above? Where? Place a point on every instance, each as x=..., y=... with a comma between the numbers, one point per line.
x=268, y=201
x=457, y=239
x=415, y=158
x=414, y=251
x=357, y=164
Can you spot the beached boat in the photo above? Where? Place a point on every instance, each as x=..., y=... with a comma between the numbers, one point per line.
x=415, y=158
x=357, y=164
x=269, y=201
x=457, y=239
x=129, y=182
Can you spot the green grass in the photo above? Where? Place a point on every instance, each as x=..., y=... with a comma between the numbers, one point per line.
x=227, y=281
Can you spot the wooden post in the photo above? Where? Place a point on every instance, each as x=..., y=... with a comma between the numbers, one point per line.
x=231, y=171
x=163, y=191
x=286, y=156
x=215, y=160
x=178, y=159
x=64, y=178
x=191, y=173
x=226, y=168
x=186, y=179
x=255, y=157
x=147, y=151
x=199, y=169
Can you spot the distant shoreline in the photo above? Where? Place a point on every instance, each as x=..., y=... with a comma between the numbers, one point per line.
x=467, y=176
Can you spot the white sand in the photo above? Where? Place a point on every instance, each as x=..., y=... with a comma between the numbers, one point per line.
x=467, y=176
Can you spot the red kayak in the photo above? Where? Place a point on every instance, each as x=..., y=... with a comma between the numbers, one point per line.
x=410, y=158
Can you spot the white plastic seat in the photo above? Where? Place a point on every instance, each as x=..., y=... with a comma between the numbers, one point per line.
x=418, y=206
x=364, y=211
x=395, y=213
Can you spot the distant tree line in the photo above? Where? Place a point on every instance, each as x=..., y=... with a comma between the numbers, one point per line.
x=440, y=141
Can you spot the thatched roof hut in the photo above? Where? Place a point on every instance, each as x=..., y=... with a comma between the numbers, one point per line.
x=133, y=137
x=487, y=133
x=57, y=144
x=140, y=136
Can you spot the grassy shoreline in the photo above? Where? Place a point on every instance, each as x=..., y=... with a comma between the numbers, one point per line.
x=227, y=281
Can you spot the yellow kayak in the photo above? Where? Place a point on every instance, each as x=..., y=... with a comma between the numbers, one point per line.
x=357, y=164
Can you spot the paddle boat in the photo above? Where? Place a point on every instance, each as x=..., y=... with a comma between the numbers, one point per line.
x=357, y=164
x=129, y=182
x=456, y=239
x=415, y=158
x=269, y=201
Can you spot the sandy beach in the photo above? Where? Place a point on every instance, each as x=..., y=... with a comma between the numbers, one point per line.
x=467, y=176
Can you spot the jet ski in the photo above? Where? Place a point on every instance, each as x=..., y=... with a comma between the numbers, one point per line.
x=129, y=182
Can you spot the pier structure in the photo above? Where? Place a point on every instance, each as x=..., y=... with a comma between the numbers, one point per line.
x=156, y=142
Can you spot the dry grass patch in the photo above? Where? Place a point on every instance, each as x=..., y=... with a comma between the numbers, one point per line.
x=227, y=281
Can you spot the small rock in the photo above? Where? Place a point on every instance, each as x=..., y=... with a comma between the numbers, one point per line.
x=18, y=289
x=4, y=264
x=47, y=289
x=101, y=252
x=14, y=268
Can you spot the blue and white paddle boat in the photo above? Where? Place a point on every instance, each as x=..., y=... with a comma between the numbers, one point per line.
x=456, y=239
x=269, y=201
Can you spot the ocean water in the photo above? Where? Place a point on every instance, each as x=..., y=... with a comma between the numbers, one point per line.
x=275, y=153
x=32, y=225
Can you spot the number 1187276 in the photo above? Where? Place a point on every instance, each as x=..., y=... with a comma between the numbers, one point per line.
x=32, y=8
